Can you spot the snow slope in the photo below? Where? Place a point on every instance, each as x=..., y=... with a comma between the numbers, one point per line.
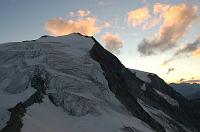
x=46, y=117
x=161, y=117
x=142, y=75
x=169, y=99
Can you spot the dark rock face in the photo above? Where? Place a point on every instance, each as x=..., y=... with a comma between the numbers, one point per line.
x=15, y=122
x=123, y=83
x=195, y=106
x=195, y=96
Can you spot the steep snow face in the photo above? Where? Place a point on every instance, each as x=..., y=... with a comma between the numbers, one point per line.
x=75, y=84
x=142, y=75
x=169, y=123
x=169, y=99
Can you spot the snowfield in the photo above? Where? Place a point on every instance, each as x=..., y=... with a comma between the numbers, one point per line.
x=46, y=117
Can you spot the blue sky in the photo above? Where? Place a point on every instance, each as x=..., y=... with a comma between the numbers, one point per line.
x=25, y=20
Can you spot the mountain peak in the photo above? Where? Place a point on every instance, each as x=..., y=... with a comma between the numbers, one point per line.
x=71, y=83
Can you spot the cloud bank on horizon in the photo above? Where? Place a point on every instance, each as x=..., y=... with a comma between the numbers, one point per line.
x=192, y=80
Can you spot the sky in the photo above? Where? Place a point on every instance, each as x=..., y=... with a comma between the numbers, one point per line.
x=157, y=36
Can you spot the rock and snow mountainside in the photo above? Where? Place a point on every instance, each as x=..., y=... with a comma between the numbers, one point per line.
x=71, y=83
x=190, y=91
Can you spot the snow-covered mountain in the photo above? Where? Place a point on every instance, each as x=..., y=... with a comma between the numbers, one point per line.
x=71, y=83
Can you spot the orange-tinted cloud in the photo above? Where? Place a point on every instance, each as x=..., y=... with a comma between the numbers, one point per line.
x=112, y=42
x=159, y=8
x=196, y=53
x=86, y=26
x=157, y=16
x=176, y=21
x=138, y=16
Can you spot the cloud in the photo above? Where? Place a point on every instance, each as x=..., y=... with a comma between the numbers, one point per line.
x=86, y=26
x=104, y=2
x=196, y=53
x=192, y=80
x=83, y=13
x=176, y=21
x=170, y=70
x=158, y=11
x=71, y=14
x=138, y=16
x=106, y=24
x=151, y=23
x=182, y=79
x=166, y=62
x=112, y=42
x=190, y=49
x=79, y=13
x=159, y=8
